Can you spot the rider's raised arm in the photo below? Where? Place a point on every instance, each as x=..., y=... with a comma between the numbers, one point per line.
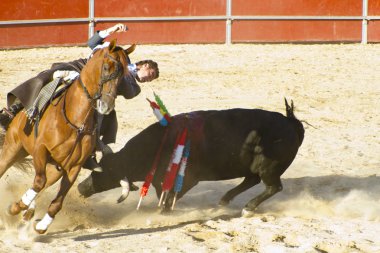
x=99, y=36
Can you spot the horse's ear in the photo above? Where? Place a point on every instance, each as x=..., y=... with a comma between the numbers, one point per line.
x=112, y=45
x=130, y=49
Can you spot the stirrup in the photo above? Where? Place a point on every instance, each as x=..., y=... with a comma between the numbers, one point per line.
x=8, y=112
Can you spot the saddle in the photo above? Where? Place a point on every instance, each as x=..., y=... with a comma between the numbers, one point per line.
x=47, y=94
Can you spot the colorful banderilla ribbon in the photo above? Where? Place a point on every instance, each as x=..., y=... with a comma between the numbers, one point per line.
x=173, y=167
x=181, y=173
x=159, y=110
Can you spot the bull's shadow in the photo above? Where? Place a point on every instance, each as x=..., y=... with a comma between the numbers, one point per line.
x=321, y=188
x=332, y=187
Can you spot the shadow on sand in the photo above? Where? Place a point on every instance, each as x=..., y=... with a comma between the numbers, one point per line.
x=322, y=188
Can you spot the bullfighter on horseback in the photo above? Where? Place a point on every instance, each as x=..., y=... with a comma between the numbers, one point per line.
x=26, y=94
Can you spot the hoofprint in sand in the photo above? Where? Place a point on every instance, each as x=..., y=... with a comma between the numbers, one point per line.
x=331, y=196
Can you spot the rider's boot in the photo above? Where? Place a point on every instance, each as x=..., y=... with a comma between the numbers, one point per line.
x=12, y=110
x=92, y=164
x=7, y=114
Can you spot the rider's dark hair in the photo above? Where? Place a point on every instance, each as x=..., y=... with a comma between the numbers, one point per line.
x=152, y=64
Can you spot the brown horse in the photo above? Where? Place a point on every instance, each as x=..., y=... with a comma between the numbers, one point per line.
x=66, y=131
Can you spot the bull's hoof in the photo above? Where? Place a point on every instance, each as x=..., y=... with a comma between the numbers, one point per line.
x=98, y=169
x=223, y=202
x=247, y=213
x=28, y=214
x=40, y=231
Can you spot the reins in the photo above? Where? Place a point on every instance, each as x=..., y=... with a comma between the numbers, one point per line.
x=81, y=130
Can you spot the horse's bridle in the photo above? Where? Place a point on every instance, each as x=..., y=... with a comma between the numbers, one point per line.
x=103, y=79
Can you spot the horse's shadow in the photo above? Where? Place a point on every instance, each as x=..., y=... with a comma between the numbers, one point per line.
x=124, y=232
x=323, y=188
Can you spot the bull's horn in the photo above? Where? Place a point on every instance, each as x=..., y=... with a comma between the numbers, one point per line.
x=125, y=190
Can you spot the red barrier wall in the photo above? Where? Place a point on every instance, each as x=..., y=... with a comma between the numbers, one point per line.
x=42, y=34
x=166, y=31
x=297, y=30
x=374, y=25
x=210, y=31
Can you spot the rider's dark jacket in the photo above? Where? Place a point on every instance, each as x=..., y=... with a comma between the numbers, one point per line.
x=28, y=91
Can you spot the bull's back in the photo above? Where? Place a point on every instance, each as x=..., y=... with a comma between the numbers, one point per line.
x=218, y=154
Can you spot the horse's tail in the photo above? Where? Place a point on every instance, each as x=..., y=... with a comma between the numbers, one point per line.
x=22, y=163
x=2, y=137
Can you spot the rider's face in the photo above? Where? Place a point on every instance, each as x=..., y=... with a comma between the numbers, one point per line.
x=145, y=73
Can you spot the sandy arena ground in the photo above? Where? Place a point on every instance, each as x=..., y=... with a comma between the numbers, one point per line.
x=331, y=196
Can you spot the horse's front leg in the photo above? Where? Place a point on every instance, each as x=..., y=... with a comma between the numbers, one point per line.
x=68, y=179
x=39, y=161
x=53, y=174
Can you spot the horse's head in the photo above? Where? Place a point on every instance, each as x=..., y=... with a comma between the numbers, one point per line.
x=107, y=66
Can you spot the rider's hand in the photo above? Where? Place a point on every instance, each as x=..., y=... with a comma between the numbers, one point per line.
x=72, y=75
x=117, y=28
x=67, y=75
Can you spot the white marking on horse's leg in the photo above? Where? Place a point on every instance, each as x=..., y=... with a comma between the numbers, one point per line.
x=44, y=223
x=29, y=196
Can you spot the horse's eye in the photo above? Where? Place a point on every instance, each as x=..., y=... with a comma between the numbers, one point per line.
x=106, y=67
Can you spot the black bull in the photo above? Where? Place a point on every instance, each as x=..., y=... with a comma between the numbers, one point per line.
x=250, y=143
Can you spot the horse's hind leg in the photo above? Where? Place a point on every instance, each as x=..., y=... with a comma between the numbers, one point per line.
x=68, y=179
x=39, y=160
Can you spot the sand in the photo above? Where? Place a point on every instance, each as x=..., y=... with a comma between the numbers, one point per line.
x=331, y=196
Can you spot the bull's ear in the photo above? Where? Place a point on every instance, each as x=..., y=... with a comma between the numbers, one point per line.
x=130, y=49
x=112, y=45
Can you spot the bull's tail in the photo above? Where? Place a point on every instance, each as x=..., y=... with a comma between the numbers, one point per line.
x=296, y=123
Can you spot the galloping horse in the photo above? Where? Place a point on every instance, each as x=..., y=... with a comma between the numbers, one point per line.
x=66, y=131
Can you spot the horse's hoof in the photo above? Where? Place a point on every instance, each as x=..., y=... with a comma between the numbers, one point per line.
x=40, y=231
x=28, y=214
x=14, y=209
x=247, y=213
